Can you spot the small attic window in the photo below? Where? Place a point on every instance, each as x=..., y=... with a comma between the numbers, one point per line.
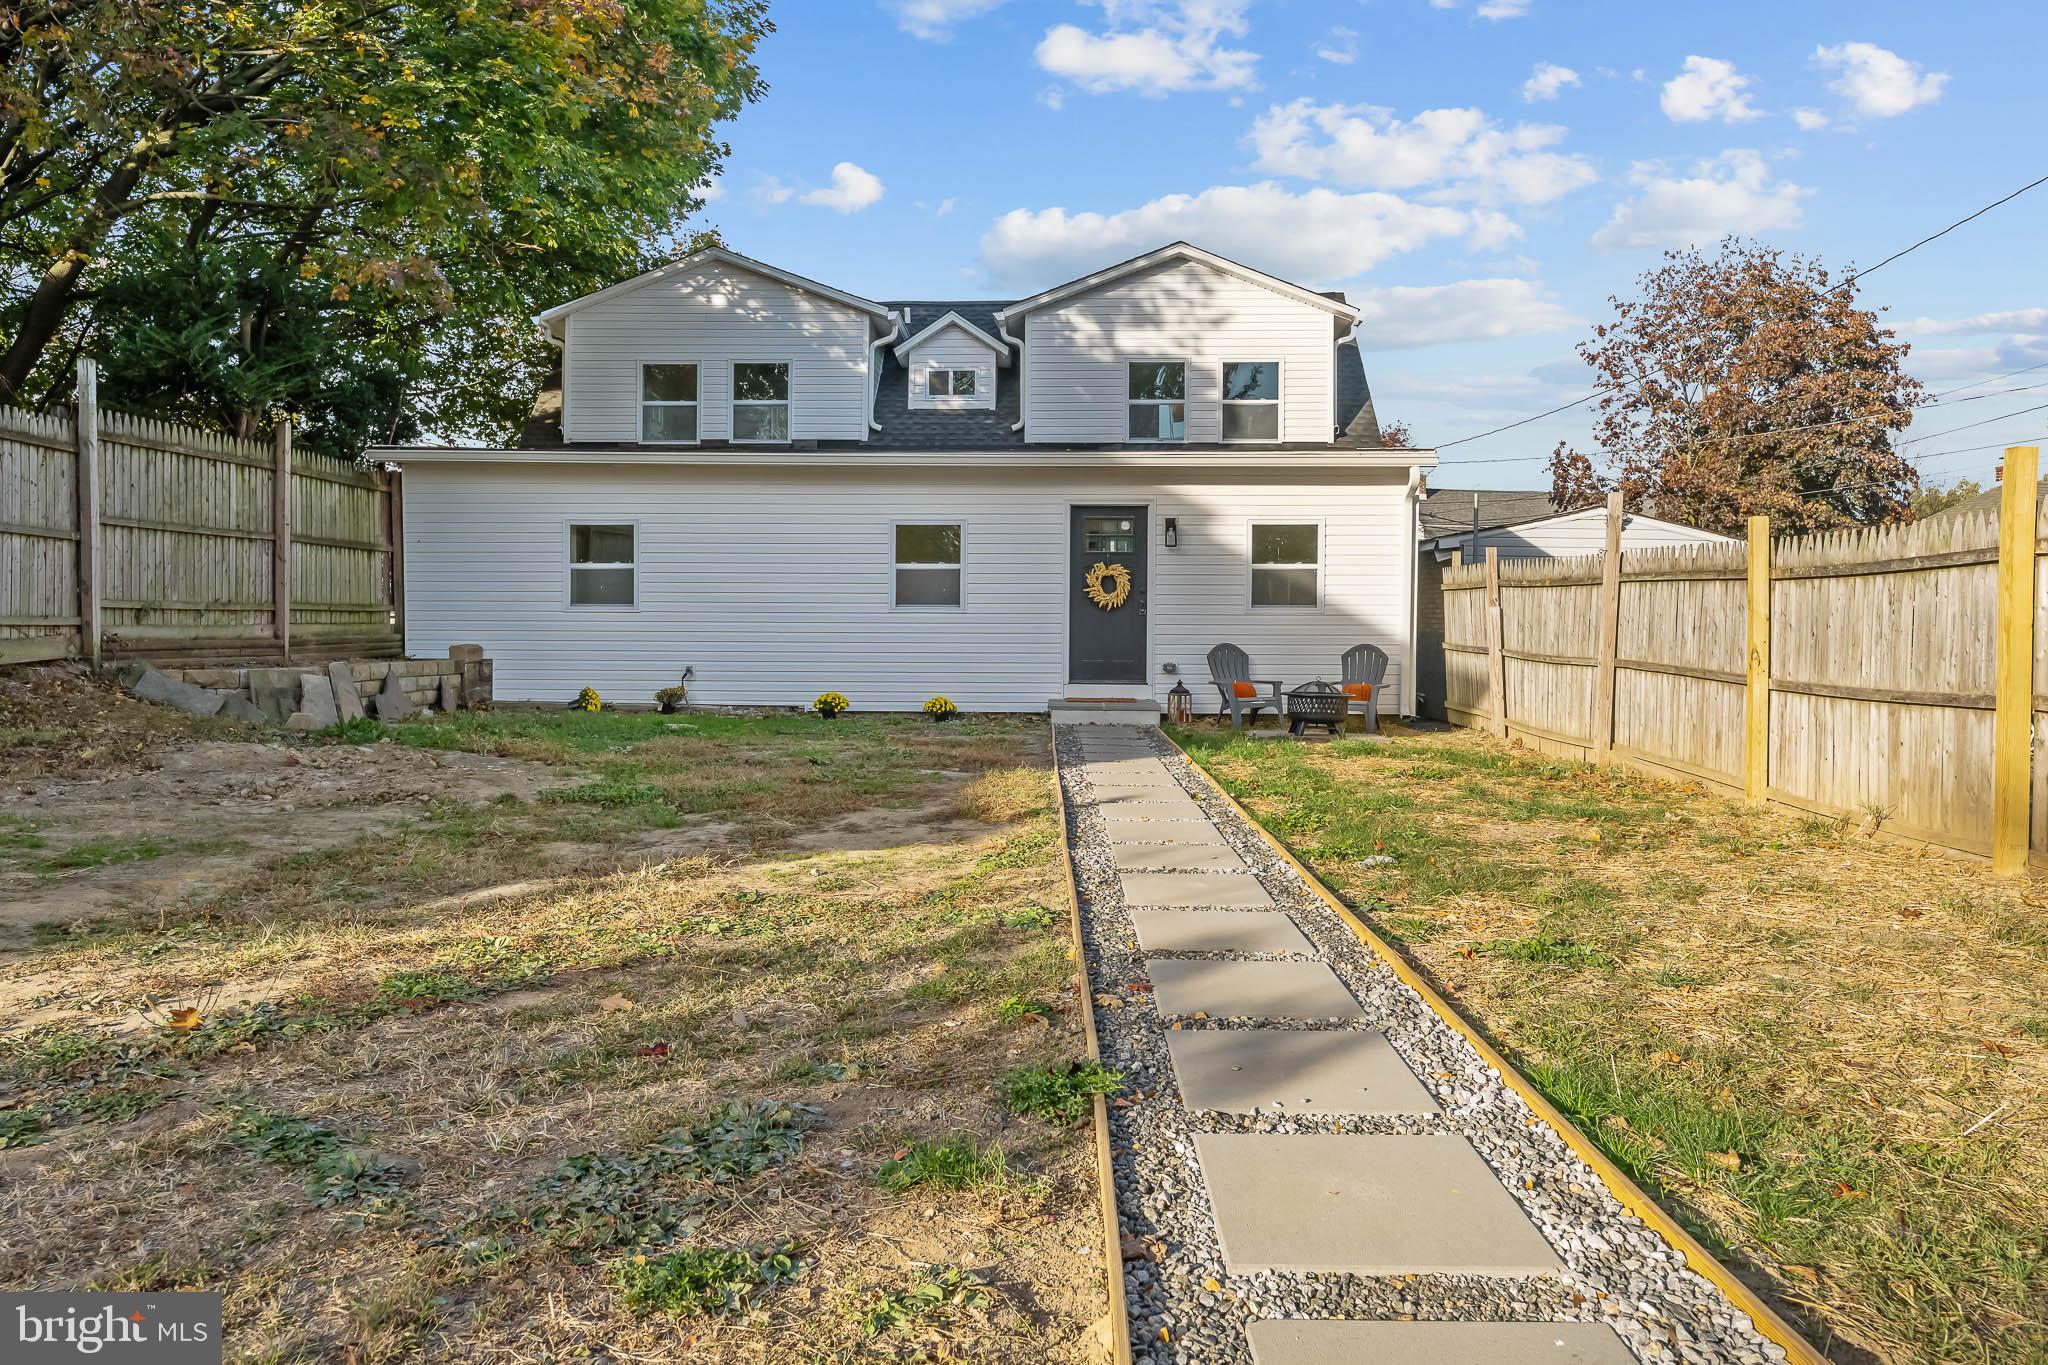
x=946, y=383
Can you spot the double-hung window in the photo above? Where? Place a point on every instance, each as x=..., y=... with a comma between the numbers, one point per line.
x=668, y=403
x=928, y=564
x=760, y=400
x=1158, y=398
x=1287, y=564
x=949, y=383
x=602, y=569
x=1251, y=400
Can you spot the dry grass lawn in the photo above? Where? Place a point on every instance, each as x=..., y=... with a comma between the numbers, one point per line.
x=619, y=1070
x=1827, y=1053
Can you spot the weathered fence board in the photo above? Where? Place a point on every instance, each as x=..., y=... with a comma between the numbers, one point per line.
x=187, y=543
x=1880, y=677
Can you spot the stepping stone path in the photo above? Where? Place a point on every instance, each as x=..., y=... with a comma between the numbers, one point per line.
x=1312, y=1168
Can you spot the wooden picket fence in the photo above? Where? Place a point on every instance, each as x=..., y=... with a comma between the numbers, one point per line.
x=1896, y=675
x=124, y=535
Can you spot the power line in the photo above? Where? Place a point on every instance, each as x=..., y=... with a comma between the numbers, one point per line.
x=1847, y=281
x=1967, y=426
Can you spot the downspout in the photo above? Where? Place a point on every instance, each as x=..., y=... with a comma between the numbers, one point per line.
x=1416, y=475
x=1023, y=361
x=875, y=363
x=1350, y=338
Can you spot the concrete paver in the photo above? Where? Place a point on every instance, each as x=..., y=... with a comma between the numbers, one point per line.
x=1294, y=1072
x=1309, y=1342
x=1192, y=890
x=1134, y=830
x=1254, y=990
x=1365, y=1204
x=1132, y=857
x=1218, y=931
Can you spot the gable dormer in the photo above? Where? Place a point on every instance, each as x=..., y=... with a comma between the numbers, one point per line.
x=952, y=365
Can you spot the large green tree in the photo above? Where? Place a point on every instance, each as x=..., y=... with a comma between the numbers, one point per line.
x=1742, y=383
x=342, y=211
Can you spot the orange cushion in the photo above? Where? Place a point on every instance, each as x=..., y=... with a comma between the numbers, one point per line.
x=1358, y=691
x=1243, y=690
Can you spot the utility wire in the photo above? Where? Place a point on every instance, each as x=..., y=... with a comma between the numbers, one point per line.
x=1847, y=281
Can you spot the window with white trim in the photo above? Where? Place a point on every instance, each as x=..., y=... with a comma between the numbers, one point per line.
x=1287, y=564
x=949, y=383
x=1251, y=400
x=760, y=401
x=602, y=570
x=1158, y=399
x=668, y=403
x=928, y=564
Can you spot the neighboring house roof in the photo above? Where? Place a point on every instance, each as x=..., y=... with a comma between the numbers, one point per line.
x=547, y=317
x=1448, y=511
x=949, y=318
x=1187, y=252
x=1987, y=502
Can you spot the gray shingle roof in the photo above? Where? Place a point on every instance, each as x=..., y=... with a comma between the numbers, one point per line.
x=1448, y=511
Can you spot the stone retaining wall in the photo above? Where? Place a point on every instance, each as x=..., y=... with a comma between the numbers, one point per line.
x=421, y=678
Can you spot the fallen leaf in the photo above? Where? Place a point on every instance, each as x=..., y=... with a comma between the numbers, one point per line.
x=1728, y=1161
x=1616, y=1121
x=900, y=1153
x=184, y=1019
x=2001, y=1049
x=1139, y=986
x=653, y=1050
x=1669, y=1058
x=1911, y=912
x=1465, y=951
x=1804, y=1272
x=1212, y=1284
x=614, y=1002
x=1843, y=1190
x=1594, y=835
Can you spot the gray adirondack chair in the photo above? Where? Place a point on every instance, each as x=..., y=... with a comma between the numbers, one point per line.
x=1366, y=664
x=1228, y=664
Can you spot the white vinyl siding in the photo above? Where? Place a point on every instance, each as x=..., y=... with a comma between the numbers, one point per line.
x=713, y=316
x=953, y=349
x=1077, y=352
x=1576, y=533
x=776, y=584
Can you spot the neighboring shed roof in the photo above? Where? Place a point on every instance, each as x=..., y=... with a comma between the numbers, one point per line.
x=1448, y=511
x=1987, y=502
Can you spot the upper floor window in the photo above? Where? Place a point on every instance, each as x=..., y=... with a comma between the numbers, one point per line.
x=668, y=402
x=1159, y=409
x=928, y=564
x=1251, y=400
x=760, y=400
x=602, y=570
x=940, y=383
x=1287, y=564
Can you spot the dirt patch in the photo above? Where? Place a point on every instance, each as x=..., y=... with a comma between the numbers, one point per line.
x=109, y=839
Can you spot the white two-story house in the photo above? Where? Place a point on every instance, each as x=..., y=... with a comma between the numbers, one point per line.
x=786, y=488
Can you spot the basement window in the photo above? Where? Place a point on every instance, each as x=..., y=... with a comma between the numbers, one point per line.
x=928, y=564
x=1287, y=564
x=602, y=572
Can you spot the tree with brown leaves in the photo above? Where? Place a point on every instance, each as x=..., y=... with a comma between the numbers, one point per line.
x=1741, y=384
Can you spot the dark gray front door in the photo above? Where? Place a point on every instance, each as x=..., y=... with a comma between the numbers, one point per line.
x=1106, y=646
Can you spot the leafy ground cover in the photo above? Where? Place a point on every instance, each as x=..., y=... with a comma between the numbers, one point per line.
x=696, y=1050
x=1827, y=1053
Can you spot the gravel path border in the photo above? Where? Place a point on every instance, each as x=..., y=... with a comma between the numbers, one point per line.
x=1184, y=1306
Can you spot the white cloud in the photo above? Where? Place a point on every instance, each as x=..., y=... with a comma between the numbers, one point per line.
x=1732, y=192
x=710, y=191
x=1470, y=310
x=771, y=190
x=1312, y=235
x=1503, y=9
x=935, y=20
x=1878, y=81
x=1546, y=81
x=1153, y=47
x=1339, y=45
x=852, y=189
x=945, y=207
x=1460, y=150
x=1809, y=120
x=2009, y=320
x=1708, y=88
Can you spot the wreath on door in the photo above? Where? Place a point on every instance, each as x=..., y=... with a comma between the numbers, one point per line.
x=1118, y=588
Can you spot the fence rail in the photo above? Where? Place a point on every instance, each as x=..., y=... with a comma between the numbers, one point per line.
x=123, y=534
x=1857, y=672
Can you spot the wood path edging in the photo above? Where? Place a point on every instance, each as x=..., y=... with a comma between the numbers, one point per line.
x=1630, y=1195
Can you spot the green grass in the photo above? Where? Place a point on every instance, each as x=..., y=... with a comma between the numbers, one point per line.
x=699, y=1281
x=101, y=853
x=954, y=1163
x=940, y=1294
x=1058, y=1094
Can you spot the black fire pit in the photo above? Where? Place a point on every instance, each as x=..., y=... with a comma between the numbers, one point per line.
x=1317, y=703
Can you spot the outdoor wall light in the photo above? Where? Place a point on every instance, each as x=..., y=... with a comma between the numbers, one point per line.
x=1172, y=533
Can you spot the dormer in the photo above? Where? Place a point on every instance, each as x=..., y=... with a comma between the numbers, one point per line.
x=951, y=365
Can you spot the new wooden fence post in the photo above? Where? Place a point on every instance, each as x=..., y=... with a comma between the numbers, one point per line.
x=1756, y=744
x=2013, y=722
x=88, y=491
x=1496, y=642
x=1610, y=630
x=281, y=539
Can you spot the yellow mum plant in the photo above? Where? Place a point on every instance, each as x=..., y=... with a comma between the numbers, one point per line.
x=588, y=700
x=830, y=704
x=941, y=708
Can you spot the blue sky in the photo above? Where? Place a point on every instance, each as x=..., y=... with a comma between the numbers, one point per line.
x=1478, y=175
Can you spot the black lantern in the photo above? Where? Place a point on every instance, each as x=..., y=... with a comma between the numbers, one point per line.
x=1180, y=704
x=1172, y=534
